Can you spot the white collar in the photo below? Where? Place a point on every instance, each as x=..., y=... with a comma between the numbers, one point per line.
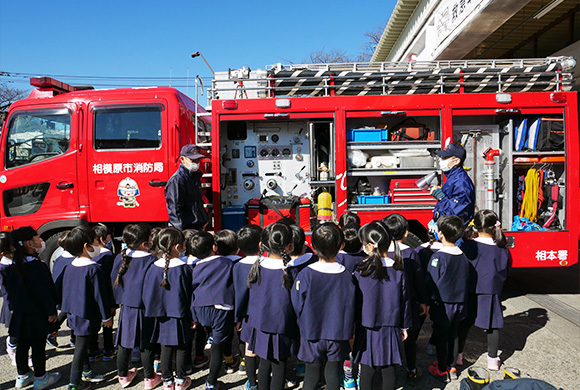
x=105, y=250
x=270, y=263
x=234, y=257
x=208, y=259
x=5, y=261
x=485, y=240
x=31, y=258
x=300, y=260
x=82, y=262
x=249, y=259
x=67, y=254
x=327, y=268
x=133, y=254
x=452, y=250
x=191, y=260
x=401, y=246
x=388, y=262
x=350, y=253
x=435, y=246
x=175, y=262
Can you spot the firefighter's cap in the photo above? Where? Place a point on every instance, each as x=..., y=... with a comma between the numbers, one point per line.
x=191, y=151
x=453, y=150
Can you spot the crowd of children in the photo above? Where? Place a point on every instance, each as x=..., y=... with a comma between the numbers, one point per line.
x=350, y=305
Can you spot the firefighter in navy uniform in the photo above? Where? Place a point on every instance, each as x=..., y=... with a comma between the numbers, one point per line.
x=457, y=196
x=183, y=192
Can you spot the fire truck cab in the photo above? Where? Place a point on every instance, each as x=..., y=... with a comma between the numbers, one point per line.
x=73, y=156
x=366, y=133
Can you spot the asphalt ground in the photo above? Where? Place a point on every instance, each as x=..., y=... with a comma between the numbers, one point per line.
x=541, y=338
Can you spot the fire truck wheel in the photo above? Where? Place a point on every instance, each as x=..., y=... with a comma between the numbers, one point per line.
x=412, y=240
x=52, y=250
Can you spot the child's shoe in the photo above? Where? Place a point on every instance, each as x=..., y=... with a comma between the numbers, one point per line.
x=459, y=359
x=431, y=349
x=51, y=340
x=290, y=384
x=81, y=386
x=24, y=380
x=232, y=363
x=47, y=381
x=443, y=376
x=182, y=384
x=168, y=385
x=125, y=381
x=300, y=370
x=453, y=373
x=200, y=362
x=208, y=343
x=242, y=368
x=151, y=383
x=493, y=363
x=217, y=386
x=156, y=365
x=109, y=355
x=248, y=387
x=349, y=383
x=71, y=343
x=92, y=376
x=136, y=356
x=413, y=375
x=11, y=351
x=95, y=355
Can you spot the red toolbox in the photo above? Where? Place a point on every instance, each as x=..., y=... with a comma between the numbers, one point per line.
x=267, y=210
x=404, y=190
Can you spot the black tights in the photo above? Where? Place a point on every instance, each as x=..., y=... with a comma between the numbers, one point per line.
x=80, y=360
x=492, y=342
x=124, y=357
x=167, y=353
x=251, y=368
x=38, y=346
x=367, y=373
x=445, y=343
x=215, y=363
x=331, y=375
x=410, y=344
x=278, y=369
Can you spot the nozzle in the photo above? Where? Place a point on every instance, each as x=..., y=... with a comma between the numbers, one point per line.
x=427, y=181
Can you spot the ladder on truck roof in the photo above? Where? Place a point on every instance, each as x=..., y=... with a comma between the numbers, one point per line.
x=403, y=78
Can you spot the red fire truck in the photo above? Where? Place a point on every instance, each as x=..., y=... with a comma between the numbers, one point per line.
x=366, y=133
x=74, y=155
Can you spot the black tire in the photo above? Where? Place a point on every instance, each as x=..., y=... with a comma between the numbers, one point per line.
x=412, y=240
x=51, y=246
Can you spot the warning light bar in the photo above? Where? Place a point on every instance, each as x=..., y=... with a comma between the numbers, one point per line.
x=48, y=83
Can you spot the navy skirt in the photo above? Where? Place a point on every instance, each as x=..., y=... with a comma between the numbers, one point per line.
x=444, y=314
x=83, y=326
x=170, y=331
x=315, y=351
x=489, y=313
x=135, y=330
x=5, y=314
x=270, y=346
x=220, y=321
x=378, y=347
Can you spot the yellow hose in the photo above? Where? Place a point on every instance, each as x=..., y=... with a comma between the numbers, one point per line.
x=530, y=202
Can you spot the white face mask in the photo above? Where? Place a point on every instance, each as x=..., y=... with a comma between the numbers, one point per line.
x=42, y=248
x=446, y=164
x=365, y=250
x=95, y=252
x=191, y=166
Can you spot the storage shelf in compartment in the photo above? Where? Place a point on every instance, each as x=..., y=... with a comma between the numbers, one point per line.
x=390, y=172
x=394, y=145
x=322, y=183
x=390, y=206
x=539, y=153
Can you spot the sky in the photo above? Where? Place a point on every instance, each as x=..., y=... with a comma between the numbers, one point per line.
x=125, y=42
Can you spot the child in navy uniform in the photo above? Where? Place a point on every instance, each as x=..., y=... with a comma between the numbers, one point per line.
x=105, y=259
x=349, y=218
x=32, y=298
x=213, y=302
x=491, y=260
x=226, y=242
x=58, y=266
x=6, y=313
x=167, y=292
x=134, y=329
x=270, y=316
x=447, y=280
x=300, y=258
x=399, y=228
x=352, y=254
x=249, y=238
x=324, y=301
x=86, y=300
x=383, y=305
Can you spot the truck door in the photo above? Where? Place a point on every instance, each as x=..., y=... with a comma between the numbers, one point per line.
x=127, y=165
x=39, y=178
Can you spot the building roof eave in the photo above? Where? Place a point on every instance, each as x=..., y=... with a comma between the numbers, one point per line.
x=395, y=26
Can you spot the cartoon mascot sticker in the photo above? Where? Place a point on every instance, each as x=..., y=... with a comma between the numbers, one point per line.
x=128, y=191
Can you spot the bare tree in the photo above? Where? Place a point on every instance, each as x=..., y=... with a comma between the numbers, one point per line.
x=327, y=57
x=367, y=50
x=9, y=95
